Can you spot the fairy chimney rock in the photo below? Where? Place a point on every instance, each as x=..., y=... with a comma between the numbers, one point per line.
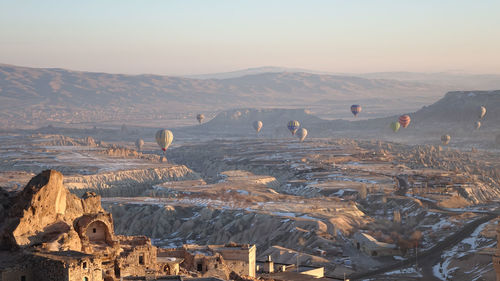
x=44, y=212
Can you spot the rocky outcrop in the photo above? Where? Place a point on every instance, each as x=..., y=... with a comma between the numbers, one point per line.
x=58, y=140
x=128, y=182
x=43, y=214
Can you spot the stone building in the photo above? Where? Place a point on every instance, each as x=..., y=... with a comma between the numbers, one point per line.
x=216, y=260
x=372, y=247
x=239, y=257
x=47, y=233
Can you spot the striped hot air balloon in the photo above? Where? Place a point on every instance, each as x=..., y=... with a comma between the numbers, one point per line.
x=164, y=138
x=293, y=126
x=355, y=109
x=404, y=120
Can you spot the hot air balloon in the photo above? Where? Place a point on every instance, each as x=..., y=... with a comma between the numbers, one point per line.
x=482, y=112
x=355, y=109
x=302, y=134
x=404, y=120
x=257, y=125
x=200, y=118
x=395, y=126
x=164, y=138
x=477, y=125
x=445, y=139
x=139, y=143
x=293, y=126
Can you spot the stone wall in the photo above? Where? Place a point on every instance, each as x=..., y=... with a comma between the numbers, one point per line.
x=240, y=259
x=16, y=274
x=85, y=268
x=97, y=231
x=174, y=252
x=51, y=270
x=137, y=260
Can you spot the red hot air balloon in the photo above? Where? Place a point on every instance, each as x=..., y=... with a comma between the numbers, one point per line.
x=404, y=120
x=355, y=109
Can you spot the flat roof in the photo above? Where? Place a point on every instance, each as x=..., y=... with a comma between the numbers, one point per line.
x=63, y=255
x=374, y=241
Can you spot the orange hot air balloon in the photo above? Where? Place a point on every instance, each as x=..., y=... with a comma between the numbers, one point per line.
x=404, y=120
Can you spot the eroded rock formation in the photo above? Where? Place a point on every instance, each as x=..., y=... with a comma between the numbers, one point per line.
x=128, y=182
x=43, y=213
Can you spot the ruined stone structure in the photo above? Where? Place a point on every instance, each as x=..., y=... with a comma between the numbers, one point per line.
x=58, y=236
x=269, y=265
x=240, y=258
x=47, y=233
x=216, y=260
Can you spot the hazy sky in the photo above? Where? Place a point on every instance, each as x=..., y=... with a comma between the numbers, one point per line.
x=188, y=37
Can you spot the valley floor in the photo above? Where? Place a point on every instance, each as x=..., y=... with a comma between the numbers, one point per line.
x=307, y=201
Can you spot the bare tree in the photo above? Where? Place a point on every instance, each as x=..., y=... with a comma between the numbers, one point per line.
x=363, y=191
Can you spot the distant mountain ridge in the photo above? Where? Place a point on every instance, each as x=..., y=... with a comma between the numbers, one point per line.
x=34, y=97
x=452, y=80
x=254, y=70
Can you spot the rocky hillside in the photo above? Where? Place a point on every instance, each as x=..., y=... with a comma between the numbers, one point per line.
x=58, y=95
x=462, y=108
x=128, y=182
x=455, y=114
x=174, y=224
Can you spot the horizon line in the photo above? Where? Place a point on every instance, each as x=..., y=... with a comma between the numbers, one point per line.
x=286, y=69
